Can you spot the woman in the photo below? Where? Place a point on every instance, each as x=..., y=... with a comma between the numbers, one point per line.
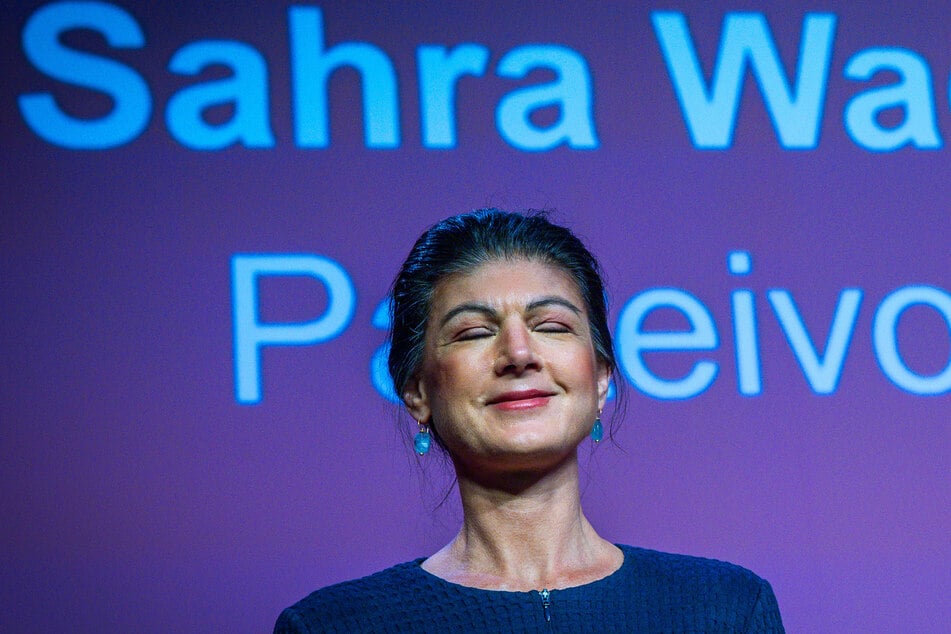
x=501, y=351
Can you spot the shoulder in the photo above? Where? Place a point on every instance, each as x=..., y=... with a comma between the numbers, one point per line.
x=712, y=590
x=687, y=569
x=355, y=605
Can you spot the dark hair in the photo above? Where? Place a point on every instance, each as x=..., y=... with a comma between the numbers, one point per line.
x=462, y=243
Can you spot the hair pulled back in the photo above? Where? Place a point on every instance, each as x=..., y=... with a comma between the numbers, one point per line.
x=462, y=243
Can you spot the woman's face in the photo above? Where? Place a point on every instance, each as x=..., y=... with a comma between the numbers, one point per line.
x=509, y=377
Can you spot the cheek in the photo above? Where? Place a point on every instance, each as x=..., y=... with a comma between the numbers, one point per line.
x=449, y=378
x=585, y=368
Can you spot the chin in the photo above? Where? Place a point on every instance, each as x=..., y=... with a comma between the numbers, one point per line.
x=537, y=446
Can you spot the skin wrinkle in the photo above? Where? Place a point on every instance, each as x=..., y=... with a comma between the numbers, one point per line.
x=488, y=311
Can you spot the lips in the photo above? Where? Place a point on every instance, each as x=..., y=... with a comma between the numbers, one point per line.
x=520, y=399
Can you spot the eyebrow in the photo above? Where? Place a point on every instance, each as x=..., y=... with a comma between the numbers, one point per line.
x=475, y=307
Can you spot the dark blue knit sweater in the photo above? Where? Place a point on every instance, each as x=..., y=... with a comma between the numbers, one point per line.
x=652, y=592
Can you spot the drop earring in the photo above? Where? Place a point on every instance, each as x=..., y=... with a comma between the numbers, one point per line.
x=597, y=432
x=422, y=441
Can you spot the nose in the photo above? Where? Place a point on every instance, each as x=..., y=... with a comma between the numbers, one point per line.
x=516, y=350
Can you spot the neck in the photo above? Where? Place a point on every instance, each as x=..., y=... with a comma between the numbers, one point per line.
x=523, y=531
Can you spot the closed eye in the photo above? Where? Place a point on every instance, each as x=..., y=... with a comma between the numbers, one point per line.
x=473, y=333
x=552, y=326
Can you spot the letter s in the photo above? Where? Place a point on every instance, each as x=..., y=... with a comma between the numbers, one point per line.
x=130, y=93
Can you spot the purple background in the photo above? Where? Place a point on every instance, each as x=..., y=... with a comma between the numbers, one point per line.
x=138, y=495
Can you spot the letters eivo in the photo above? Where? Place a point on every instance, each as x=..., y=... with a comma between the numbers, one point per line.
x=709, y=108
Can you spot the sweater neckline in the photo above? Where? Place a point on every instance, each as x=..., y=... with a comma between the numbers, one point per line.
x=602, y=583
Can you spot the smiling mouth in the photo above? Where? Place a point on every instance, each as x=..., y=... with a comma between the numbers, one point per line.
x=527, y=399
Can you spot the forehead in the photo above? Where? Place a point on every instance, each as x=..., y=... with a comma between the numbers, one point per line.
x=500, y=283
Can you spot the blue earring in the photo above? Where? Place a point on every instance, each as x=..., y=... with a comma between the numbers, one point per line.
x=422, y=441
x=597, y=432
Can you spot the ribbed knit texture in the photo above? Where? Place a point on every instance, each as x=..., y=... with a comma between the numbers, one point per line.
x=652, y=592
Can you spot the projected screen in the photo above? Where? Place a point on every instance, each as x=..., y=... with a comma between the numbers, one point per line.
x=205, y=205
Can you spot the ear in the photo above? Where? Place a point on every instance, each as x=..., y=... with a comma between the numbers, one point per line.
x=604, y=381
x=415, y=399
